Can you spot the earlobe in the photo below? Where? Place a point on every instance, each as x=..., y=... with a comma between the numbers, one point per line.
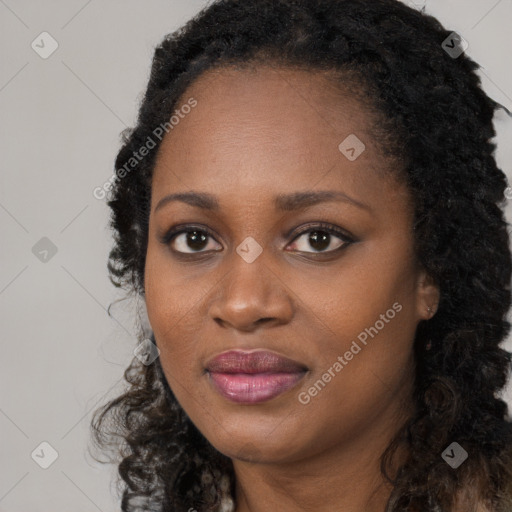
x=428, y=295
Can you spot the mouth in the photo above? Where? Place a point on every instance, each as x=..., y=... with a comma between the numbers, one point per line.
x=253, y=376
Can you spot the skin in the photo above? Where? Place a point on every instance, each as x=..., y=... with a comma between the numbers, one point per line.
x=256, y=133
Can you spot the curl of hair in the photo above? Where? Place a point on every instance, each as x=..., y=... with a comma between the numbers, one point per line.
x=437, y=122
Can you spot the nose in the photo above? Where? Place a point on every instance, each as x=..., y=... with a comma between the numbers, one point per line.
x=251, y=294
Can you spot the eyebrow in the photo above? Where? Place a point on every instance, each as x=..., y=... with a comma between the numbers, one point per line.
x=283, y=202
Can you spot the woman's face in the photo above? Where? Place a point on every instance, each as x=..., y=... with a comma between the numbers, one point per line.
x=262, y=268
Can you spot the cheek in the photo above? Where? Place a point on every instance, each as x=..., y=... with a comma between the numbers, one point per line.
x=369, y=319
x=172, y=318
x=171, y=295
x=375, y=343
x=363, y=351
x=347, y=299
x=172, y=311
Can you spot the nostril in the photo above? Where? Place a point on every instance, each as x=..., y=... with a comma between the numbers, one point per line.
x=261, y=320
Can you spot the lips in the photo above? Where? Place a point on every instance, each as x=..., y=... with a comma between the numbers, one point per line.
x=253, y=377
x=261, y=361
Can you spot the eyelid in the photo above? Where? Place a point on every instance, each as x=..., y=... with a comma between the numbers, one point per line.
x=321, y=226
x=174, y=231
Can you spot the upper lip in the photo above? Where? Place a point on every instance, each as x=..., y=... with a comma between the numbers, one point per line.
x=255, y=361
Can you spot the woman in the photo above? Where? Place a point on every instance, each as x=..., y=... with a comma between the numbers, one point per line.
x=309, y=207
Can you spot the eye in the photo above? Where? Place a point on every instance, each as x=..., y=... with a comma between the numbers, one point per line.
x=320, y=238
x=194, y=238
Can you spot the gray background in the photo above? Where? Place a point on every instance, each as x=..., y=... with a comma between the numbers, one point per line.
x=61, y=116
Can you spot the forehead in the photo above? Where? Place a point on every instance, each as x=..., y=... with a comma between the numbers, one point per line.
x=272, y=130
x=288, y=86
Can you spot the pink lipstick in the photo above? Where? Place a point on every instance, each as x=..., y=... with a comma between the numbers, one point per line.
x=253, y=376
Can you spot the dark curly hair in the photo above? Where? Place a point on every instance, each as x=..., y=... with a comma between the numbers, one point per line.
x=438, y=124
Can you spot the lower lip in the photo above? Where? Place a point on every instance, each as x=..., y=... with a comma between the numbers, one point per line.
x=254, y=388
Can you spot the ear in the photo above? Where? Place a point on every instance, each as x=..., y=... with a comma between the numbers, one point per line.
x=427, y=296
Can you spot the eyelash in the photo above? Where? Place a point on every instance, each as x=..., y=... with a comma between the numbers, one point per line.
x=173, y=232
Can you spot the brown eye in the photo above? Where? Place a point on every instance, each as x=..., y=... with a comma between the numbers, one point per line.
x=319, y=240
x=322, y=238
x=189, y=241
